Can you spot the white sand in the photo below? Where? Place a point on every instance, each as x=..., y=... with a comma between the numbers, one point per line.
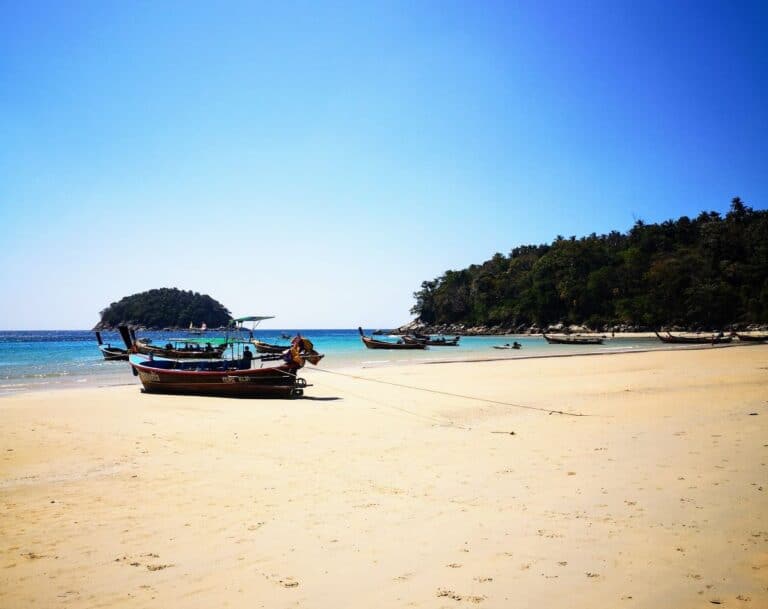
x=374, y=495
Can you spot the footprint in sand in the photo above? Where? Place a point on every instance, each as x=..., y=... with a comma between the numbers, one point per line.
x=289, y=582
x=442, y=593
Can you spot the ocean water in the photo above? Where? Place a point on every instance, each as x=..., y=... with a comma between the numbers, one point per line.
x=57, y=359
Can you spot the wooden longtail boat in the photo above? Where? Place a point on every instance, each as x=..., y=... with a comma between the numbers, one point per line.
x=175, y=348
x=433, y=342
x=515, y=345
x=573, y=340
x=183, y=348
x=263, y=347
x=711, y=339
x=753, y=338
x=111, y=353
x=229, y=377
x=372, y=343
x=225, y=378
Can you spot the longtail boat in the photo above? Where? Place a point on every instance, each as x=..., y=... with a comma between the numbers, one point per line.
x=229, y=377
x=573, y=340
x=373, y=343
x=263, y=347
x=260, y=345
x=753, y=338
x=515, y=345
x=432, y=342
x=175, y=348
x=109, y=352
x=184, y=348
x=711, y=339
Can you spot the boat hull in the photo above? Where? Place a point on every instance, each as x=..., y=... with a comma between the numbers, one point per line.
x=574, y=340
x=747, y=338
x=262, y=347
x=372, y=343
x=146, y=349
x=113, y=354
x=694, y=340
x=381, y=344
x=182, y=378
x=432, y=342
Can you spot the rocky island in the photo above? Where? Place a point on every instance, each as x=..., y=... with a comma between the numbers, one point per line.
x=165, y=308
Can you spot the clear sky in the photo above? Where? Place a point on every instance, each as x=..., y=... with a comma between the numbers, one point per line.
x=317, y=161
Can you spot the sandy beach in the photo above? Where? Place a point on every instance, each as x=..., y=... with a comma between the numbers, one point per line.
x=473, y=490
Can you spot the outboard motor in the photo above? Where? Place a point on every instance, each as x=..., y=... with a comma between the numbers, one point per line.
x=98, y=337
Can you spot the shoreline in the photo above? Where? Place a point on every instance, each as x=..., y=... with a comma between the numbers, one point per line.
x=379, y=365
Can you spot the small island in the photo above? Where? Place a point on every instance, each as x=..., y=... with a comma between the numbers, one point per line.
x=165, y=308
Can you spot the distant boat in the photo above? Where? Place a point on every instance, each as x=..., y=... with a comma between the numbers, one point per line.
x=197, y=331
x=109, y=352
x=573, y=340
x=711, y=339
x=432, y=342
x=515, y=345
x=373, y=343
x=261, y=346
x=753, y=338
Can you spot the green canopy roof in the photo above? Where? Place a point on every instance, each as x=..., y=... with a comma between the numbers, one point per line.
x=253, y=318
x=213, y=341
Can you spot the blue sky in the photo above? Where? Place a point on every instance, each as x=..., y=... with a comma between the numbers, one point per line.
x=317, y=161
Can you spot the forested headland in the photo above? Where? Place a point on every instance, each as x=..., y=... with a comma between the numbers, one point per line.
x=165, y=308
x=708, y=272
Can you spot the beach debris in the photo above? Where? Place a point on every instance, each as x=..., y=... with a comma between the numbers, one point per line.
x=454, y=565
x=510, y=433
x=157, y=567
x=590, y=574
x=752, y=414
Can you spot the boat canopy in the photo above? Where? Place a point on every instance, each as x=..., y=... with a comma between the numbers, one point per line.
x=214, y=342
x=253, y=318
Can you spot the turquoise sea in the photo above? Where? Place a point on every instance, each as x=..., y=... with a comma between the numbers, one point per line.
x=51, y=359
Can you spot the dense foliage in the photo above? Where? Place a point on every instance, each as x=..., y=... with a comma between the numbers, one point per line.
x=164, y=308
x=710, y=271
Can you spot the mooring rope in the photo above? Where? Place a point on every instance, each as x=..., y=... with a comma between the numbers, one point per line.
x=454, y=395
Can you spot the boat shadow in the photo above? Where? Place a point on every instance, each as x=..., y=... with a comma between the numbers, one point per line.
x=321, y=399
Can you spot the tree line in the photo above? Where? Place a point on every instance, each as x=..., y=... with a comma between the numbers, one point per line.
x=165, y=308
x=707, y=272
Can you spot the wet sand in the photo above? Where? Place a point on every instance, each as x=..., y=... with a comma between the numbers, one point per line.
x=471, y=491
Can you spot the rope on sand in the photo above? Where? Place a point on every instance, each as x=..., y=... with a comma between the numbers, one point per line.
x=454, y=395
